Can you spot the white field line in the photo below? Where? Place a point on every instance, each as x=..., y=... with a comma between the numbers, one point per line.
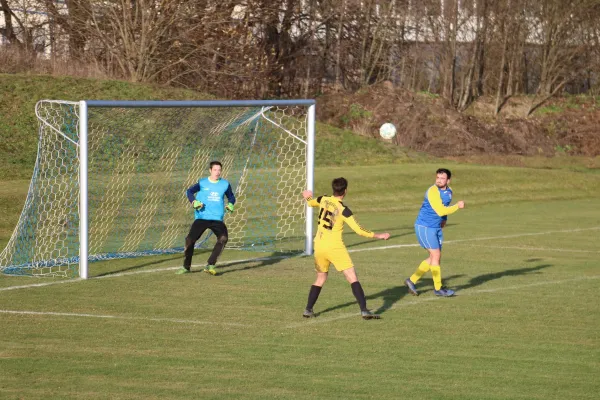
x=396, y=246
x=145, y=271
x=465, y=292
x=532, y=248
x=120, y=317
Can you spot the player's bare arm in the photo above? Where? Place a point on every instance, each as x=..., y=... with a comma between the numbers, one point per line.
x=384, y=236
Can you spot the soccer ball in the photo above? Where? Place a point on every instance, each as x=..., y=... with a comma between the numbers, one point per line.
x=387, y=130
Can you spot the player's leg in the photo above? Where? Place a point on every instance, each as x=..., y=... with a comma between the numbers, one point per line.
x=220, y=230
x=416, y=276
x=436, y=256
x=313, y=294
x=322, y=269
x=434, y=259
x=196, y=230
x=425, y=237
x=342, y=261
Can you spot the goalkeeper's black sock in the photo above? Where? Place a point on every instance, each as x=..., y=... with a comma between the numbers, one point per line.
x=313, y=295
x=358, y=292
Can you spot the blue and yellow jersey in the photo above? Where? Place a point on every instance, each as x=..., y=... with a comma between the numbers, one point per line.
x=332, y=216
x=212, y=194
x=435, y=207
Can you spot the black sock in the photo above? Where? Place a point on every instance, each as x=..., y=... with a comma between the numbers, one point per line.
x=313, y=295
x=358, y=292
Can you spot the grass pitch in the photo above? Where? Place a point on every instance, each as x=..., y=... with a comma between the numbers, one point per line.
x=524, y=324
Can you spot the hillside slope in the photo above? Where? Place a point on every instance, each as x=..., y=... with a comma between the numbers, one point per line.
x=18, y=124
x=426, y=123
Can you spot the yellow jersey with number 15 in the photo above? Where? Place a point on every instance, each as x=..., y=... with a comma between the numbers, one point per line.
x=332, y=216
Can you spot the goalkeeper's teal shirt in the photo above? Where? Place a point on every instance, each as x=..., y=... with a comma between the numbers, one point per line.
x=212, y=195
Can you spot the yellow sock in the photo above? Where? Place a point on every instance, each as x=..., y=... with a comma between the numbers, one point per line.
x=437, y=276
x=423, y=267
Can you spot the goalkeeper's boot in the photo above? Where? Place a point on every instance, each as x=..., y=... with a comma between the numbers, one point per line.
x=444, y=292
x=411, y=287
x=308, y=313
x=366, y=314
x=210, y=269
x=183, y=270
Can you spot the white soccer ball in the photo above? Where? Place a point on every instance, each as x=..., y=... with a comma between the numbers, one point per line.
x=387, y=130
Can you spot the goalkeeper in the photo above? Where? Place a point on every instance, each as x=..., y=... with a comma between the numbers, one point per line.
x=208, y=199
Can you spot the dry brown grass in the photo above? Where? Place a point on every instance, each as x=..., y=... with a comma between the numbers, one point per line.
x=14, y=60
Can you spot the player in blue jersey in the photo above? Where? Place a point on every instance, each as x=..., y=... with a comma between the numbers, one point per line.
x=208, y=199
x=428, y=227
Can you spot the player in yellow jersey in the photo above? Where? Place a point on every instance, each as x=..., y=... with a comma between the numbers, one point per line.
x=330, y=248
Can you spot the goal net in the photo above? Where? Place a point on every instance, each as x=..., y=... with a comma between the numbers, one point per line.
x=110, y=180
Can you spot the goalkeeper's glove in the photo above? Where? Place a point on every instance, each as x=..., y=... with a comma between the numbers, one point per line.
x=229, y=207
x=197, y=204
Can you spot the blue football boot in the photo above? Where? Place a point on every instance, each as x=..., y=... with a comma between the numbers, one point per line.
x=411, y=287
x=444, y=292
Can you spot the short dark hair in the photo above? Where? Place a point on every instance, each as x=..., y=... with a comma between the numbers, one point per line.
x=444, y=171
x=339, y=186
x=213, y=163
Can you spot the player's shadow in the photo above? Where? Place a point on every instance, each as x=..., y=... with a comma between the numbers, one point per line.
x=389, y=296
x=138, y=266
x=392, y=295
x=261, y=263
x=481, y=279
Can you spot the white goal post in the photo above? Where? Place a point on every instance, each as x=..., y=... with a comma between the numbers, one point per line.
x=110, y=179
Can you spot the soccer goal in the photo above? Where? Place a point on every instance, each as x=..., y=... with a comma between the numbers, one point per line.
x=110, y=179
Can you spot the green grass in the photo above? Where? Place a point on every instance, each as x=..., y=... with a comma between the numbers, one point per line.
x=524, y=325
x=551, y=109
x=428, y=94
x=522, y=256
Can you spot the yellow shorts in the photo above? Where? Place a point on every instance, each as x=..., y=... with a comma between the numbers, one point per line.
x=337, y=256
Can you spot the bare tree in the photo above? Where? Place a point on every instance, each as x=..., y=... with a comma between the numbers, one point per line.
x=8, y=31
x=470, y=89
x=461, y=49
x=558, y=30
x=74, y=23
x=502, y=95
x=338, y=46
x=23, y=34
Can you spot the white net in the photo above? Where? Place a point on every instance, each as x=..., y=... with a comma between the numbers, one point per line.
x=140, y=163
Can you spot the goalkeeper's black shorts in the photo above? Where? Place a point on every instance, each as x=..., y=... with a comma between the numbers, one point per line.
x=201, y=225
